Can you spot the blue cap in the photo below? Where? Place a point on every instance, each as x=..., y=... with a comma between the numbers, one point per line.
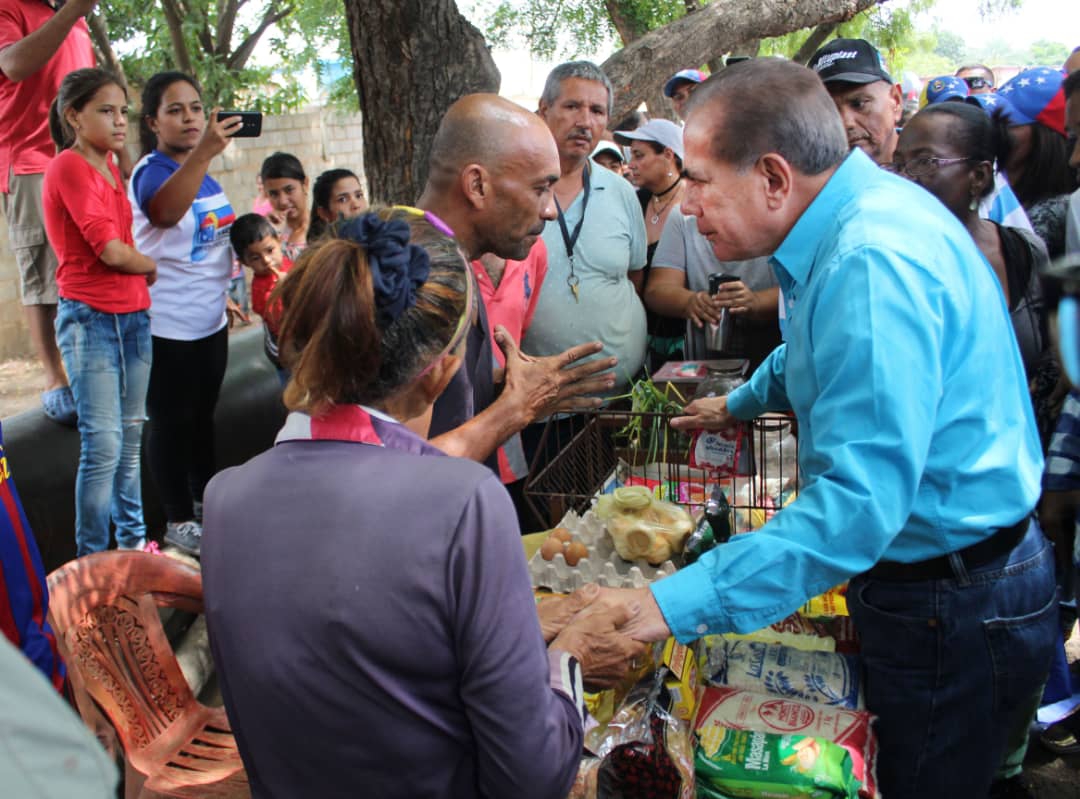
x=940, y=89
x=1038, y=96
x=996, y=102
x=687, y=75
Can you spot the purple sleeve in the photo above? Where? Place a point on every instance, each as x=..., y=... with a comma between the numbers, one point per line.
x=519, y=698
x=147, y=181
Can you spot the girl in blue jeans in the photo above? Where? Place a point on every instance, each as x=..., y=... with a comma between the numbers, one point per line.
x=102, y=324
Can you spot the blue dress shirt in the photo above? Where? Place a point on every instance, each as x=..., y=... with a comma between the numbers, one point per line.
x=916, y=433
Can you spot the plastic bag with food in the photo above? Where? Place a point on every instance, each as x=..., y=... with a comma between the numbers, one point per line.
x=736, y=709
x=829, y=605
x=794, y=631
x=822, y=677
x=646, y=751
x=643, y=527
x=747, y=763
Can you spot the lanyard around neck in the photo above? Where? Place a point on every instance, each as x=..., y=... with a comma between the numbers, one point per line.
x=570, y=239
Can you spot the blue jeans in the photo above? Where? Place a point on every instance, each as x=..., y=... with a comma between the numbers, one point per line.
x=953, y=665
x=107, y=357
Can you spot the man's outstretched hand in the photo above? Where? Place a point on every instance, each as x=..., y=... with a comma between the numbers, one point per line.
x=554, y=383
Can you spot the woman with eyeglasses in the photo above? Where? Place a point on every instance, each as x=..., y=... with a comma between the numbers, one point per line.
x=368, y=601
x=950, y=149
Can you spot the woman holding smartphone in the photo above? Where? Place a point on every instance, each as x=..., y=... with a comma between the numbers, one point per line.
x=181, y=220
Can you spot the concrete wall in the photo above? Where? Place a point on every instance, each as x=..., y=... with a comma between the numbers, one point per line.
x=320, y=139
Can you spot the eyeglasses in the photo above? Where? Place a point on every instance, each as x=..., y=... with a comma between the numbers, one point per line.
x=920, y=167
x=975, y=82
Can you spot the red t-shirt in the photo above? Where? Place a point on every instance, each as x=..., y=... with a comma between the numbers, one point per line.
x=261, y=287
x=83, y=213
x=25, y=145
x=513, y=303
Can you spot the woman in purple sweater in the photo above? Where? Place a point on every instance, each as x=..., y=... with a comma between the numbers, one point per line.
x=368, y=601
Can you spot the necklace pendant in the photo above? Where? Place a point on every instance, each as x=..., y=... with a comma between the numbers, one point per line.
x=655, y=218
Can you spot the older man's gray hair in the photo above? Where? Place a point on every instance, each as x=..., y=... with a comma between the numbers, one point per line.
x=769, y=105
x=586, y=70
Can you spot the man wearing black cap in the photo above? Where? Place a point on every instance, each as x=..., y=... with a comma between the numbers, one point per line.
x=868, y=100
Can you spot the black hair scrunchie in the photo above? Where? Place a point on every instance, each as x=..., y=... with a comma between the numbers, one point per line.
x=398, y=269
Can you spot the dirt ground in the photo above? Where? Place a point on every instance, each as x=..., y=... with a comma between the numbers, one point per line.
x=1051, y=777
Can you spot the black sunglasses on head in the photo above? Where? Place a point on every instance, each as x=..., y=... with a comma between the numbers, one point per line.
x=975, y=82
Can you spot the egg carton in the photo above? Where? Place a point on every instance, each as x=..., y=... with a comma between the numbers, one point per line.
x=602, y=566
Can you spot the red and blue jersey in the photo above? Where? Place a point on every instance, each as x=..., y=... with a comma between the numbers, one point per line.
x=24, y=598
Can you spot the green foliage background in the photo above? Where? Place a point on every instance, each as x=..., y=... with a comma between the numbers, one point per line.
x=314, y=34
x=140, y=35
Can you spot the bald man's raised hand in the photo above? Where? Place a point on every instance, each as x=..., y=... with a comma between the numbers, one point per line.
x=554, y=383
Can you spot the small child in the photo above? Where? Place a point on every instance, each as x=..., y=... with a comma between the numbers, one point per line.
x=258, y=247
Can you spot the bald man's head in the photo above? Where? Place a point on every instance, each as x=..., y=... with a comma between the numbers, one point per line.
x=490, y=172
x=478, y=129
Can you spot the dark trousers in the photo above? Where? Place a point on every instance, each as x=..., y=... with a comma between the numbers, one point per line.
x=954, y=667
x=185, y=379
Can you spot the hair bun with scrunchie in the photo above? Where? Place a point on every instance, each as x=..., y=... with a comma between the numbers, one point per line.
x=397, y=268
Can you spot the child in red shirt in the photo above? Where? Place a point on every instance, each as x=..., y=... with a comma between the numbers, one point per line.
x=102, y=324
x=258, y=247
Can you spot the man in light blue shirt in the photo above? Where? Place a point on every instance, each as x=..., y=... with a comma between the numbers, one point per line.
x=918, y=451
x=596, y=246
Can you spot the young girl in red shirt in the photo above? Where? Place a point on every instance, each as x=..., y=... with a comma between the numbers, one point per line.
x=102, y=324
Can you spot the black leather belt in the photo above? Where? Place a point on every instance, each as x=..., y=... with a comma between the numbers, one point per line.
x=939, y=568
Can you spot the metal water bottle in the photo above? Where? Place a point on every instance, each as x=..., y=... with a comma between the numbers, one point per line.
x=719, y=336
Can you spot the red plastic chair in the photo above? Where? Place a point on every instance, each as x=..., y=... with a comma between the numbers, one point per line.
x=104, y=610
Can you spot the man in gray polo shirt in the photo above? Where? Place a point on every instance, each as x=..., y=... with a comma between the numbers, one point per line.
x=596, y=246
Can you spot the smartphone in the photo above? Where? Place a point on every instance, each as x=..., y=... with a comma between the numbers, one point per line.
x=251, y=125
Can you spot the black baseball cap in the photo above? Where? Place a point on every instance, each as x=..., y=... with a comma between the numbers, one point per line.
x=849, y=61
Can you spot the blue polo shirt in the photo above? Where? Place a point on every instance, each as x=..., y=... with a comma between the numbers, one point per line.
x=916, y=434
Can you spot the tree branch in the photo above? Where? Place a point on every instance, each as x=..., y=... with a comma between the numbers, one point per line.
x=716, y=27
x=206, y=39
x=623, y=24
x=239, y=57
x=174, y=18
x=816, y=38
x=99, y=34
x=226, y=20
x=750, y=48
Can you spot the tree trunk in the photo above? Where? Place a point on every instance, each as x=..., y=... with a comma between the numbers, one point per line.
x=106, y=56
x=656, y=104
x=816, y=38
x=411, y=60
x=623, y=24
x=716, y=27
x=748, y=48
x=174, y=18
